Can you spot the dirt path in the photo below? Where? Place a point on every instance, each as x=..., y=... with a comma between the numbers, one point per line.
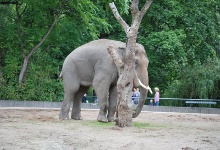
x=40, y=129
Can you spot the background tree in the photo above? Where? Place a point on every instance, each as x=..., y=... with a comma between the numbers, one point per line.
x=180, y=37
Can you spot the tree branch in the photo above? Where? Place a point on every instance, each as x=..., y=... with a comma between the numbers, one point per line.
x=23, y=10
x=137, y=15
x=118, y=17
x=145, y=8
x=116, y=58
x=44, y=38
x=26, y=58
x=9, y=2
x=46, y=35
x=134, y=8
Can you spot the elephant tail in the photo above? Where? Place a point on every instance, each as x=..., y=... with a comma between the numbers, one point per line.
x=61, y=75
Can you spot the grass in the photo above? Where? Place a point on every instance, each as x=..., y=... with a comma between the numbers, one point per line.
x=147, y=125
x=98, y=124
x=112, y=124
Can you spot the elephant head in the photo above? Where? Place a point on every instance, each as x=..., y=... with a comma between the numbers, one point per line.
x=141, y=77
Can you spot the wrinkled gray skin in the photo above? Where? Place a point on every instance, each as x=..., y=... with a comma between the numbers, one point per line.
x=91, y=65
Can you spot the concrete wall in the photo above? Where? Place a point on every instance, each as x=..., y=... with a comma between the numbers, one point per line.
x=46, y=104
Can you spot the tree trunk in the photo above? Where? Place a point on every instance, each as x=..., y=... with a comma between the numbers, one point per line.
x=127, y=70
x=124, y=86
x=23, y=69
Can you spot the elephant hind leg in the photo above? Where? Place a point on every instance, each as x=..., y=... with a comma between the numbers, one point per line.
x=70, y=89
x=76, y=109
x=64, y=112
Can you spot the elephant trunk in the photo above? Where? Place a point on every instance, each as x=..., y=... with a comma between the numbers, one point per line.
x=143, y=95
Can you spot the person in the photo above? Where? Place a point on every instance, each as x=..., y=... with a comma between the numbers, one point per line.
x=151, y=103
x=132, y=97
x=135, y=96
x=84, y=99
x=156, y=96
x=94, y=97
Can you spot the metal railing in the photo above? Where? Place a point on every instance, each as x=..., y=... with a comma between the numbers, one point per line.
x=182, y=102
x=176, y=102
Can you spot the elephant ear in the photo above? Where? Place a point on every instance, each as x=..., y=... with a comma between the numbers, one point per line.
x=121, y=52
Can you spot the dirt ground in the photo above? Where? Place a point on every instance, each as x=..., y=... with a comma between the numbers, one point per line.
x=40, y=129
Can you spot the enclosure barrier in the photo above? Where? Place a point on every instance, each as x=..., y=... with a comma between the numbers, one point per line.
x=183, y=102
x=57, y=105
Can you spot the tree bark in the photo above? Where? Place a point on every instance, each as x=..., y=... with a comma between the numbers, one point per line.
x=127, y=69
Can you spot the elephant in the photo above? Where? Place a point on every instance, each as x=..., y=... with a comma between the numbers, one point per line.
x=91, y=65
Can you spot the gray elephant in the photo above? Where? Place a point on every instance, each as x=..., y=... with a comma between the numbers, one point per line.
x=91, y=65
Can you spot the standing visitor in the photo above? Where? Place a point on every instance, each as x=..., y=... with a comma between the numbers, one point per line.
x=151, y=103
x=156, y=96
x=84, y=99
x=135, y=96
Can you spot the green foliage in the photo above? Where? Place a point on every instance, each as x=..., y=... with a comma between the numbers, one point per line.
x=78, y=23
x=166, y=53
x=202, y=81
x=181, y=38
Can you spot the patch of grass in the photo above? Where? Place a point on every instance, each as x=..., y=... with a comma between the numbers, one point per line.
x=98, y=124
x=146, y=125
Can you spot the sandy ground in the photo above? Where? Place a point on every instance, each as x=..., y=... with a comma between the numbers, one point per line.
x=40, y=129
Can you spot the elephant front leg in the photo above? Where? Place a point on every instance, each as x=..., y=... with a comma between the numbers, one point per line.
x=101, y=84
x=112, y=103
x=102, y=113
x=76, y=111
x=111, y=114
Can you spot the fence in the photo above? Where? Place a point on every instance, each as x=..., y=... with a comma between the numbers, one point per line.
x=182, y=102
x=46, y=104
x=178, y=102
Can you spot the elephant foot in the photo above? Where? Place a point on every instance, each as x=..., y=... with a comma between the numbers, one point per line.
x=102, y=119
x=111, y=119
x=134, y=114
x=76, y=118
x=63, y=117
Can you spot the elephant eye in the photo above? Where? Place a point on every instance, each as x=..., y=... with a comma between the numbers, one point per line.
x=136, y=64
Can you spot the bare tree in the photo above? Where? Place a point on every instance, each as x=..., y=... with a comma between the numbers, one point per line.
x=126, y=69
